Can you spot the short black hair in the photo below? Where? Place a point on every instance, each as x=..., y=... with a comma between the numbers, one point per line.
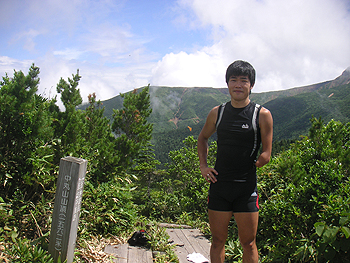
x=241, y=68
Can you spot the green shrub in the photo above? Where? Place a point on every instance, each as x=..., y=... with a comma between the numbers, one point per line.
x=327, y=244
x=107, y=208
x=22, y=250
x=302, y=186
x=159, y=241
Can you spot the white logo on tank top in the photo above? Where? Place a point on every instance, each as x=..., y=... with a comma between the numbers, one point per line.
x=245, y=126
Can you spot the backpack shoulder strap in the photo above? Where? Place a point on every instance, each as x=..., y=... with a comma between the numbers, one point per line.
x=220, y=113
x=255, y=124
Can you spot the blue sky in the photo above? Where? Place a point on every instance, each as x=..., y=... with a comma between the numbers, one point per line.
x=119, y=45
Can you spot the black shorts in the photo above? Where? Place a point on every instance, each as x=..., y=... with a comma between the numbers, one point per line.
x=233, y=196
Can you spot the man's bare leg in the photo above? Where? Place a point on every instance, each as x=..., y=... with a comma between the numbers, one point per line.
x=219, y=222
x=247, y=227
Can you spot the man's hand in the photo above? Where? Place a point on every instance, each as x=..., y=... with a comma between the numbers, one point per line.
x=209, y=174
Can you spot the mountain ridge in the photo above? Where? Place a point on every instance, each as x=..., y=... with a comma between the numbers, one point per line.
x=178, y=112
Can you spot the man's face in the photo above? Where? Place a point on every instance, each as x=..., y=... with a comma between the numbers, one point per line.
x=239, y=87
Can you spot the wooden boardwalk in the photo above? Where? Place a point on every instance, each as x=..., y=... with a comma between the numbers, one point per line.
x=186, y=241
x=124, y=253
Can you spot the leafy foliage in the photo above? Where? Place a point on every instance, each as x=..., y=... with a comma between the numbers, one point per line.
x=98, y=143
x=35, y=134
x=22, y=251
x=304, y=190
x=333, y=241
x=160, y=243
x=184, y=167
x=24, y=133
x=131, y=127
x=107, y=209
x=181, y=189
x=302, y=186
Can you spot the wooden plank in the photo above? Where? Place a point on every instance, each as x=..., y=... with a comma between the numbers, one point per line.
x=198, y=241
x=167, y=225
x=129, y=254
x=145, y=256
x=192, y=240
x=174, y=239
x=133, y=255
x=180, y=249
x=139, y=255
x=123, y=258
x=186, y=242
x=119, y=253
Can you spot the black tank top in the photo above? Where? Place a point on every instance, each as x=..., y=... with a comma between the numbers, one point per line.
x=238, y=142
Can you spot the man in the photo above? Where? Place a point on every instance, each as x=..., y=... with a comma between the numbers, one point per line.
x=241, y=127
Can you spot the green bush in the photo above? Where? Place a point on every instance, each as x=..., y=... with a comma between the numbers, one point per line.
x=22, y=250
x=24, y=133
x=302, y=186
x=35, y=134
x=107, y=209
x=304, y=191
x=182, y=189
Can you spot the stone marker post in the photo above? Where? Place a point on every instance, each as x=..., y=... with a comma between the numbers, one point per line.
x=66, y=210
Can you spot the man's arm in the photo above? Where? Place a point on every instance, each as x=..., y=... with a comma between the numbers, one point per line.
x=266, y=131
x=202, y=146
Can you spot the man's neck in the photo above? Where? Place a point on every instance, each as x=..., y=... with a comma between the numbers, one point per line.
x=240, y=104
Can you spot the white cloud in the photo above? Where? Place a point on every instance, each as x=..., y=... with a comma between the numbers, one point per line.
x=289, y=43
x=104, y=81
x=109, y=82
x=199, y=69
x=110, y=43
x=76, y=34
x=69, y=53
x=108, y=40
x=27, y=38
x=8, y=65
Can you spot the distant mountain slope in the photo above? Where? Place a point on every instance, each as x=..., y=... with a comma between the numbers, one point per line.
x=177, y=108
x=292, y=114
x=179, y=112
x=328, y=100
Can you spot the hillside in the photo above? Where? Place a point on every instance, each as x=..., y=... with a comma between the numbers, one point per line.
x=179, y=112
x=292, y=114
